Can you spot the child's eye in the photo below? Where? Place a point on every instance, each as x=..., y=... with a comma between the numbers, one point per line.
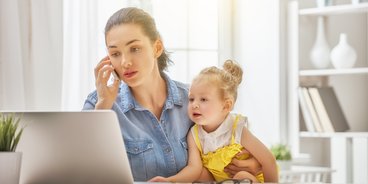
x=135, y=49
x=191, y=99
x=204, y=100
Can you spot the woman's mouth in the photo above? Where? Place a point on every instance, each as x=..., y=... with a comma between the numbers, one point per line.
x=129, y=74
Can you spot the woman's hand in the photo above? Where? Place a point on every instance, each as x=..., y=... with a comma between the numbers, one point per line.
x=106, y=94
x=250, y=165
x=159, y=179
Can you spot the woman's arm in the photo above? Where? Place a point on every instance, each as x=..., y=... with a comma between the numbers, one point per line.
x=192, y=171
x=250, y=165
x=262, y=154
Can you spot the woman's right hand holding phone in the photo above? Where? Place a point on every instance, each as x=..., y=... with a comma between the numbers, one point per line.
x=106, y=93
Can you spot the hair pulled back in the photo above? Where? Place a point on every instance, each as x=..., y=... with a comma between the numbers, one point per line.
x=132, y=15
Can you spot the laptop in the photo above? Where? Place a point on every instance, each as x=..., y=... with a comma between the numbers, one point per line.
x=72, y=147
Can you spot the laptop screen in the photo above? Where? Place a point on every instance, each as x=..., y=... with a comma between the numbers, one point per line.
x=72, y=147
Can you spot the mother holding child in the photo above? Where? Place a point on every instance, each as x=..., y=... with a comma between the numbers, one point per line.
x=156, y=113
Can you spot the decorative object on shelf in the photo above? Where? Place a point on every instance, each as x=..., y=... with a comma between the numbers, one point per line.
x=323, y=3
x=9, y=138
x=320, y=52
x=282, y=154
x=355, y=2
x=343, y=55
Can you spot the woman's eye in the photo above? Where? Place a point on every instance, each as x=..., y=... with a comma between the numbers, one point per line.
x=116, y=54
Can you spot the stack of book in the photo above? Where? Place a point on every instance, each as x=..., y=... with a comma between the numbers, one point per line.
x=321, y=110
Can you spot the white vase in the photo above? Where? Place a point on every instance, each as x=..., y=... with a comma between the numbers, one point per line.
x=343, y=55
x=10, y=164
x=320, y=52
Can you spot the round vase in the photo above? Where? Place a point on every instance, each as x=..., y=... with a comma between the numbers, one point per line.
x=343, y=55
x=320, y=52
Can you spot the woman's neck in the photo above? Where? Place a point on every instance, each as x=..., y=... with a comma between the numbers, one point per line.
x=152, y=95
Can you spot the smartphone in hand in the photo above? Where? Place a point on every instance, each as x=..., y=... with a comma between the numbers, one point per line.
x=115, y=75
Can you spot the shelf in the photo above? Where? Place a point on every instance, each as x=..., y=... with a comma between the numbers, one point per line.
x=307, y=169
x=332, y=134
x=327, y=72
x=336, y=10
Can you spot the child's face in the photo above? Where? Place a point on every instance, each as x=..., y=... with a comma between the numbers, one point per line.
x=206, y=107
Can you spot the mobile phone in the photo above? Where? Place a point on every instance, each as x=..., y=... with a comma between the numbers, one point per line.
x=115, y=75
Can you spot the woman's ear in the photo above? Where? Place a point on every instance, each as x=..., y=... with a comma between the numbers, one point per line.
x=158, y=48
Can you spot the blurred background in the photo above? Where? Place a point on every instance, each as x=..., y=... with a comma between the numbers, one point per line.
x=49, y=48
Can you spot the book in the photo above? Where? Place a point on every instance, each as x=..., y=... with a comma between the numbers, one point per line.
x=309, y=113
x=328, y=108
x=305, y=111
x=321, y=110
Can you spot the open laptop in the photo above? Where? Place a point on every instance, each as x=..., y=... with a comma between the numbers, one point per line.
x=72, y=147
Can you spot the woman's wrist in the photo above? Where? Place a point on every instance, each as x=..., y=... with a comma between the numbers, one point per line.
x=103, y=105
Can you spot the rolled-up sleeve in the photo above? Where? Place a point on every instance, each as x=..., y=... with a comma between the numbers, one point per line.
x=90, y=102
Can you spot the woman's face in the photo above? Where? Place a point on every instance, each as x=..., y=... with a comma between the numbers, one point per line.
x=132, y=54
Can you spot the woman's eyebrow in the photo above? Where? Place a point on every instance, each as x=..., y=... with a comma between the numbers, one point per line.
x=128, y=43
x=131, y=41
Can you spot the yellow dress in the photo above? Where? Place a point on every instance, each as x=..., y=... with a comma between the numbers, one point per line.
x=216, y=161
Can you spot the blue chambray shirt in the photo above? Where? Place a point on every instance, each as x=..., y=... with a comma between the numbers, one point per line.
x=154, y=147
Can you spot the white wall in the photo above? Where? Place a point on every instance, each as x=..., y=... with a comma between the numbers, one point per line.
x=257, y=48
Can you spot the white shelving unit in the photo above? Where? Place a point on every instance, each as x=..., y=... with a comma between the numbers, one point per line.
x=346, y=153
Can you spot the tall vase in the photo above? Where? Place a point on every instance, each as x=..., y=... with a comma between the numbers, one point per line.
x=320, y=52
x=343, y=55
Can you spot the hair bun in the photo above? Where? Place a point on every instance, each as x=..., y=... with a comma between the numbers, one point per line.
x=234, y=69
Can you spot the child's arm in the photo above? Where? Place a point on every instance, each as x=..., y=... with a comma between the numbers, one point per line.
x=262, y=154
x=192, y=171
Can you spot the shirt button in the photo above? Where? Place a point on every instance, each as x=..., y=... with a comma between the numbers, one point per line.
x=168, y=150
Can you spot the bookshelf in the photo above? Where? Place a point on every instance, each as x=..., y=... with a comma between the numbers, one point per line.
x=340, y=151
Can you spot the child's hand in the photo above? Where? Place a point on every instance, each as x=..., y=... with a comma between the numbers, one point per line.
x=159, y=179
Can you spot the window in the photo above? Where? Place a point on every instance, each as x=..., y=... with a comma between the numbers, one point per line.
x=190, y=32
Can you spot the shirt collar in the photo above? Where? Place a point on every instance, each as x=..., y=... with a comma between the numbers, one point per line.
x=128, y=101
x=222, y=129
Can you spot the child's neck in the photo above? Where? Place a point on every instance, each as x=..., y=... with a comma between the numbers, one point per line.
x=213, y=127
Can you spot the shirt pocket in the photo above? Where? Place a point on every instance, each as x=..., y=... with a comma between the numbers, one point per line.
x=142, y=158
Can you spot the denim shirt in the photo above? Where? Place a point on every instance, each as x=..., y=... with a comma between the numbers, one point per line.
x=154, y=147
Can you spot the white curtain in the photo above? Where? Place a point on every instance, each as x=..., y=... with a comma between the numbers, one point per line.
x=12, y=92
x=30, y=54
x=84, y=46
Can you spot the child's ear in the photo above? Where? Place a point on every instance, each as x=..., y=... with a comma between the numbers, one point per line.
x=228, y=106
x=158, y=48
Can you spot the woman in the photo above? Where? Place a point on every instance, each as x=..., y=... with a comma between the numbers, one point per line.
x=152, y=108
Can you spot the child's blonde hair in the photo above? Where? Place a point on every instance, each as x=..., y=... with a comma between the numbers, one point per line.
x=226, y=79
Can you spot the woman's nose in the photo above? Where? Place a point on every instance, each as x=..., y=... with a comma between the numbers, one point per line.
x=125, y=61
